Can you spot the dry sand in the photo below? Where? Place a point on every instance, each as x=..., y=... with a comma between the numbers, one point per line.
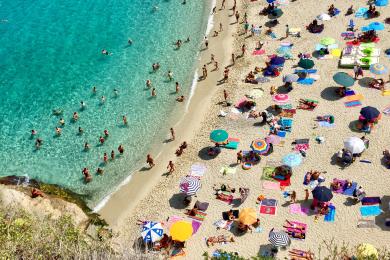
x=157, y=198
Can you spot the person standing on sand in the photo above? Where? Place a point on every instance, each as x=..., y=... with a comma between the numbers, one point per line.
x=306, y=194
x=287, y=31
x=236, y=14
x=214, y=10
x=172, y=134
x=226, y=74
x=243, y=50
x=233, y=58
x=177, y=87
x=220, y=27
x=239, y=157
x=171, y=167
x=225, y=95
x=223, y=4
x=150, y=161
x=206, y=42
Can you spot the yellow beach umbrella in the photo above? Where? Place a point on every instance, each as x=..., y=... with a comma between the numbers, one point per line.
x=367, y=251
x=247, y=216
x=181, y=231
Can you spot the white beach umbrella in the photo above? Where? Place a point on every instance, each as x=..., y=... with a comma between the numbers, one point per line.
x=354, y=145
x=323, y=17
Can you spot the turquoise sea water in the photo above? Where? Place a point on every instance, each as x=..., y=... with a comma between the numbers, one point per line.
x=51, y=57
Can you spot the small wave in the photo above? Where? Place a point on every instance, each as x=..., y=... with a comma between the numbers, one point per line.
x=192, y=89
x=210, y=22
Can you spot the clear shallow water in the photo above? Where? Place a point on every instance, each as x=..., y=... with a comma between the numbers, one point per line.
x=50, y=58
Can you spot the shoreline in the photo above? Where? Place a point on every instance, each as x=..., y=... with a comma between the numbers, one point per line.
x=137, y=185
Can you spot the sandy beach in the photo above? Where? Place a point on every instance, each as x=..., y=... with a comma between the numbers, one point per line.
x=152, y=194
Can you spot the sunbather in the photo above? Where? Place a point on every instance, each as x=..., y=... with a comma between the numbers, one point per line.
x=377, y=83
x=243, y=228
x=294, y=234
x=224, y=187
x=300, y=254
x=219, y=239
x=386, y=158
x=193, y=211
x=326, y=118
x=306, y=105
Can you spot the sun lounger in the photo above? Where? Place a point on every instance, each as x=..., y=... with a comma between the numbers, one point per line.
x=366, y=223
x=373, y=210
x=371, y=201
x=225, y=215
x=305, y=81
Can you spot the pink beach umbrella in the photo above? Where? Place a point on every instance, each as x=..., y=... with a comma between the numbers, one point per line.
x=273, y=139
x=281, y=98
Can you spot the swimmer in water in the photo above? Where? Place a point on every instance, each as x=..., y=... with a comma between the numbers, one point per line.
x=94, y=90
x=177, y=87
x=124, y=119
x=170, y=75
x=82, y=105
x=121, y=149
x=112, y=155
x=130, y=41
x=153, y=94
x=33, y=132
x=62, y=122
x=105, y=158
x=105, y=52
x=99, y=171
x=116, y=92
x=75, y=116
x=101, y=140
x=148, y=83
x=38, y=143
x=180, y=99
x=81, y=131
x=87, y=176
x=86, y=146
x=155, y=8
x=102, y=100
x=58, y=131
x=188, y=39
x=106, y=134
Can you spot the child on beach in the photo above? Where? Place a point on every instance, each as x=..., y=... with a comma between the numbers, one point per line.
x=171, y=167
x=150, y=161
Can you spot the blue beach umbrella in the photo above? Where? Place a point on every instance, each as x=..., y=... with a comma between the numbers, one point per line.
x=152, y=231
x=377, y=26
x=270, y=1
x=378, y=69
x=343, y=79
x=277, y=61
x=370, y=113
x=292, y=159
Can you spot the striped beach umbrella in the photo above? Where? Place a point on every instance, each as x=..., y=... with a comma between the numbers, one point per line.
x=152, y=231
x=281, y=98
x=190, y=185
x=260, y=146
x=219, y=136
x=378, y=69
x=279, y=238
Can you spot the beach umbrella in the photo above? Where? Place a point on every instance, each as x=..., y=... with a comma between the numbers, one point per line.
x=276, y=13
x=260, y=146
x=281, y=98
x=367, y=251
x=324, y=17
x=354, y=145
x=219, y=136
x=273, y=139
x=247, y=216
x=370, y=113
x=291, y=78
x=292, y=159
x=190, y=185
x=306, y=64
x=322, y=194
x=327, y=41
x=279, y=238
x=277, y=61
x=152, y=231
x=377, y=26
x=378, y=69
x=343, y=79
x=381, y=2
x=181, y=231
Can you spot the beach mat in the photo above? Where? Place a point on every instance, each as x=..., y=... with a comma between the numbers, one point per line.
x=198, y=170
x=305, y=81
x=353, y=103
x=232, y=143
x=349, y=93
x=326, y=124
x=349, y=191
x=271, y=185
x=354, y=97
x=366, y=223
x=309, y=71
x=342, y=183
x=268, y=210
x=200, y=216
x=367, y=201
x=281, y=133
x=267, y=173
x=373, y=210
x=258, y=52
x=299, y=209
x=331, y=214
x=225, y=215
x=223, y=224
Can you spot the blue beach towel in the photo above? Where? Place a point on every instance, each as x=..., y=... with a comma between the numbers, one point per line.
x=361, y=12
x=349, y=191
x=349, y=93
x=282, y=134
x=306, y=81
x=373, y=210
x=331, y=214
x=310, y=71
x=326, y=124
x=354, y=103
x=273, y=35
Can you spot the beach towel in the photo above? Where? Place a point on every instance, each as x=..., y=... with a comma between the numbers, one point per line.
x=331, y=214
x=301, y=147
x=268, y=210
x=314, y=76
x=284, y=183
x=299, y=209
x=367, y=201
x=177, y=252
x=285, y=106
x=200, y=216
x=228, y=170
x=386, y=111
x=305, y=81
x=289, y=113
x=309, y=71
x=302, y=141
x=354, y=97
x=195, y=225
x=273, y=35
x=232, y=143
x=258, y=52
x=361, y=12
x=349, y=191
x=224, y=224
x=281, y=133
x=225, y=198
x=326, y=124
x=325, y=57
x=365, y=223
x=269, y=202
x=267, y=173
x=349, y=92
x=373, y=210
x=342, y=183
x=386, y=92
x=225, y=215
x=271, y=185
x=198, y=170
x=173, y=219
x=353, y=103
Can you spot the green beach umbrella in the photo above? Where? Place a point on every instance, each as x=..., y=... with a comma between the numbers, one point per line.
x=327, y=41
x=343, y=79
x=219, y=136
x=306, y=64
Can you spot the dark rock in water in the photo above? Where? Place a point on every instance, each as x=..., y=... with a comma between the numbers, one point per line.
x=56, y=191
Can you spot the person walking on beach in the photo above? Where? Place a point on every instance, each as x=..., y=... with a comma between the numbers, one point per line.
x=150, y=161
x=153, y=94
x=212, y=58
x=243, y=50
x=306, y=194
x=233, y=59
x=206, y=42
x=120, y=149
x=226, y=74
x=171, y=167
x=177, y=87
x=214, y=10
x=204, y=72
x=223, y=4
x=172, y=134
x=220, y=27
x=216, y=66
x=237, y=15
x=287, y=31
x=225, y=96
x=239, y=157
